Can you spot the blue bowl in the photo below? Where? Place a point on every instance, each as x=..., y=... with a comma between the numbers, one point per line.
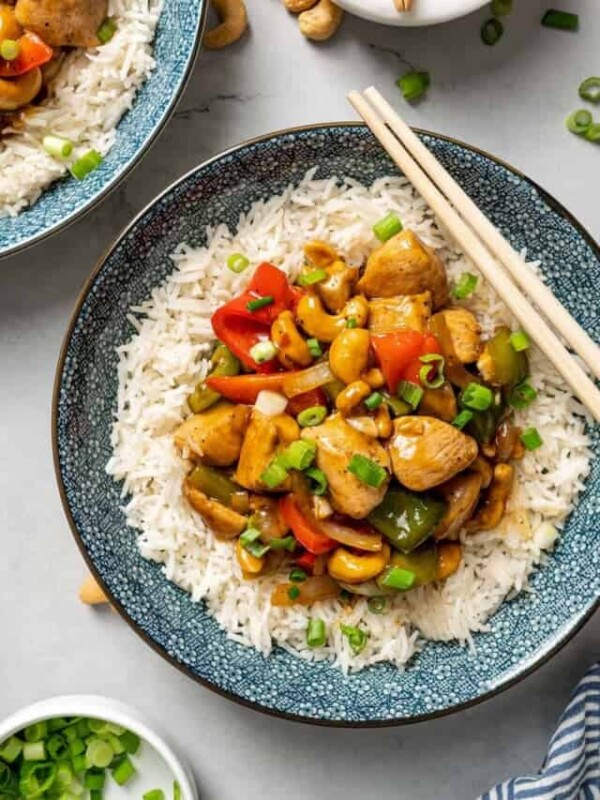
x=176, y=44
x=443, y=678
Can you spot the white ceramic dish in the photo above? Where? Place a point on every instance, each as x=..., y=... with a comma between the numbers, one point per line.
x=156, y=763
x=424, y=12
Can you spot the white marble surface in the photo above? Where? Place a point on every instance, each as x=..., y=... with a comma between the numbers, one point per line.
x=510, y=100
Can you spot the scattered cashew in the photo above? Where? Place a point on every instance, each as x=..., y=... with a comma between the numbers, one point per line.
x=383, y=421
x=319, y=253
x=325, y=327
x=251, y=565
x=349, y=354
x=321, y=22
x=234, y=21
x=292, y=350
x=91, y=593
x=374, y=377
x=343, y=565
x=17, y=92
x=351, y=396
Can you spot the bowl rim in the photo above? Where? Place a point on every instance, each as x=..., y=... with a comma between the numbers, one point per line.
x=391, y=21
x=110, y=710
x=501, y=685
x=116, y=180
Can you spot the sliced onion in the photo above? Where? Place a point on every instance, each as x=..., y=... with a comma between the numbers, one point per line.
x=319, y=587
x=271, y=404
x=362, y=540
x=307, y=379
x=322, y=507
x=366, y=425
x=368, y=589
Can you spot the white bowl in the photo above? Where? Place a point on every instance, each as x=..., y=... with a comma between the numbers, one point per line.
x=424, y=12
x=157, y=764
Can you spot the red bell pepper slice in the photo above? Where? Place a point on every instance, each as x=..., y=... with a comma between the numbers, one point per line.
x=33, y=52
x=299, y=403
x=398, y=355
x=306, y=561
x=245, y=388
x=240, y=329
x=304, y=531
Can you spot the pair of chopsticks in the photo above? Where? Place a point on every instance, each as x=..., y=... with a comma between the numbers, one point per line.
x=403, y=5
x=495, y=258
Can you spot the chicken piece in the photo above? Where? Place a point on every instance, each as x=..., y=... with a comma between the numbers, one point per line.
x=426, y=451
x=465, y=333
x=215, y=436
x=404, y=265
x=440, y=403
x=265, y=437
x=224, y=522
x=63, y=23
x=338, y=287
x=337, y=442
x=404, y=311
x=462, y=494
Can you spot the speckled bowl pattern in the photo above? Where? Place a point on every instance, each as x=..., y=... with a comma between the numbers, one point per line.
x=176, y=44
x=444, y=677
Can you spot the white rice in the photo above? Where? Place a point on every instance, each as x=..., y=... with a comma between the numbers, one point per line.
x=164, y=360
x=88, y=97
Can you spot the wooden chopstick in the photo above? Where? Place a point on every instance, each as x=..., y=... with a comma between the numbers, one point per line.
x=525, y=313
x=403, y=5
x=531, y=284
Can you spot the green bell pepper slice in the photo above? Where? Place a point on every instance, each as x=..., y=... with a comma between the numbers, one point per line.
x=223, y=363
x=407, y=519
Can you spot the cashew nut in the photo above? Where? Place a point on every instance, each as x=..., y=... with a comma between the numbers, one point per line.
x=320, y=253
x=292, y=350
x=251, y=565
x=17, y=92
x=343, y=565
x=286, y=427
x=449, y=555
x=296, y=6
x=349, y=354
x=325, y=327
x=9, y=27
x=352, y=396
x=492, y=510
x=374, y=377
x=91, y=593
x=321, y=22
x=234, y=21
x=383, y=421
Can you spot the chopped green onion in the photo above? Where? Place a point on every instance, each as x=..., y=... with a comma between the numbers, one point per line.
x=318, y=480
x=260, y=302
x=249, y=535
x=491, y=31
x=76, y=746
x=562, y=20
x=70, y=733
x=176, y=791
x=97, y=726
x=579, y=121
x=274, y=475
x=592, y=134
x=398, y=578
x=309, y=278
x=257, y=549
x=9, y=49
x=57, y=747
x=299, y=455
x=410, y=393
x=263, y=351
x=35, y=782
x=314, y=347
x=374, y=400
x=237, y=262
x=311, y=416
x=95, y=794
x=131, y=742
x=285, y=543
x=367, y=471
x=293, y=592
x=154, y=794
x=477, y=397
x=85, y=164
x=34, y=751
x=357, y=638
x=79, y=763
x=399, y=408
x=519, y=341
x=531, y=438
x=297, y=575
x=465, y=286
x=589, y=90
x=432, y=361
x=106, y=31
x=35, y=732
x=99, y=753
x=57, y=724
x=352, y=322
x=413, y=85
x=462, y=419
x=123, y=772
x=387, y=227
x=377, y=605
x=501, y=8
x=316, y=635
x=94, y=779
x=11, y=749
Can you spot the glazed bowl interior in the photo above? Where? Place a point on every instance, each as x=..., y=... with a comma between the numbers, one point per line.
x=156, y=762
x=445, y=676
x=176, y=44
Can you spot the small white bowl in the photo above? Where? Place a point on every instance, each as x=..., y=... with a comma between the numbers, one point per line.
x=424, y=12
x=157, y=765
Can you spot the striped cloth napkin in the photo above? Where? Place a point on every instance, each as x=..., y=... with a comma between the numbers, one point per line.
x=571, y=770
